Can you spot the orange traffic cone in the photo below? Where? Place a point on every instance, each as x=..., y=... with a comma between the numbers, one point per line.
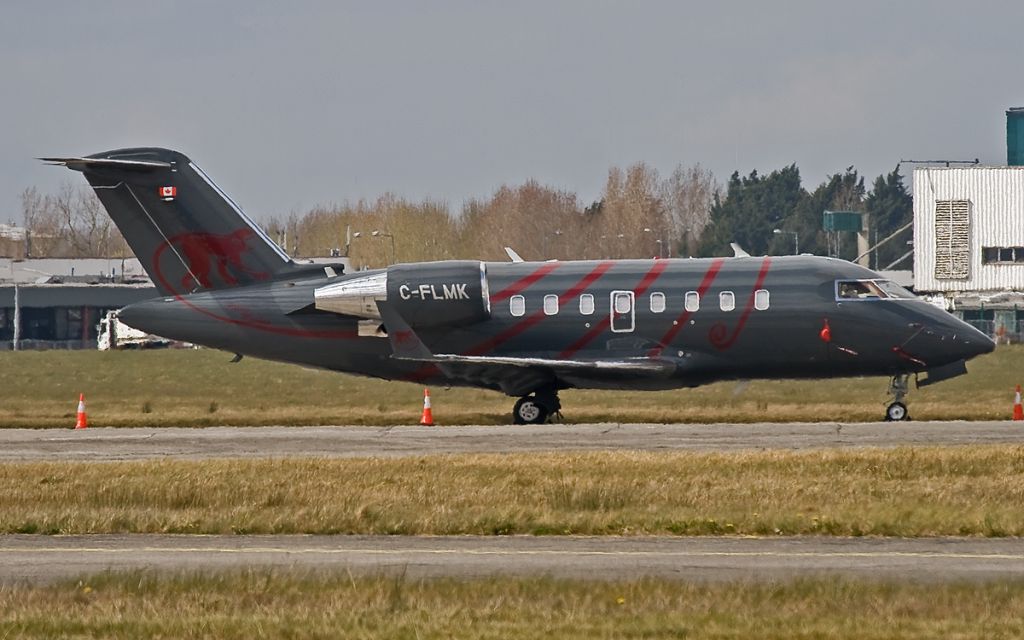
x=428, y=415
x=1018, y=409
x=82, y=422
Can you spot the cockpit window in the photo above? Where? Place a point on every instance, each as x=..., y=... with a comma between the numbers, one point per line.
x=894, y=290
x=870, y=290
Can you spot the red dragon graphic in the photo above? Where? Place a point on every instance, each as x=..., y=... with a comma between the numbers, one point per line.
x=201, y=252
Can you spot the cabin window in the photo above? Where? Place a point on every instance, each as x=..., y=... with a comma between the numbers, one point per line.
x=727, y=301
x=517, y=305
x=657, y=302
x=623, y=304
x=691, y=301
x=550, y=304
x=586, y=304
x=761, y=299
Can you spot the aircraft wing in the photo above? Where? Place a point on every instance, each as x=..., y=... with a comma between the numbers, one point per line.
x=408, y=346
x=625, y=364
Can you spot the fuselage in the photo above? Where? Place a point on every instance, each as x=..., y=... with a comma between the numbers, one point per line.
x=712, y=319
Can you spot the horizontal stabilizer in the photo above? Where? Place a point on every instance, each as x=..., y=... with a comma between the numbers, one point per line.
x=80, y=164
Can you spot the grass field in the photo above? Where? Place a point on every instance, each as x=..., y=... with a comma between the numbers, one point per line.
x=903, y=492
x=258, y=604
x=200, y=387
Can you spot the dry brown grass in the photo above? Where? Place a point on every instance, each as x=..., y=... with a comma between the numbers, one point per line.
x=196, y=388
x=261, y=604
x=902, y=492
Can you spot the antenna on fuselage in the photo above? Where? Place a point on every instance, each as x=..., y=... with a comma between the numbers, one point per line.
x=738, y=251
x=512, y=255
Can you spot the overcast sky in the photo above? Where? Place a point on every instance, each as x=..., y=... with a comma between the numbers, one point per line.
x=287, y=105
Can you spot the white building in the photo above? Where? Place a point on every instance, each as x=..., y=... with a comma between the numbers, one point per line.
x=969, y=242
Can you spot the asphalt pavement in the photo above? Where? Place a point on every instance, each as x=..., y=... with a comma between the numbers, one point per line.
x=34, y=559
x=353, y=441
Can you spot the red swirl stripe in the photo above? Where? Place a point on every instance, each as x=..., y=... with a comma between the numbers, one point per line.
x=718, y=333
x=524, y=282
x=495, y=341
x=605, y=322
x=680, y=322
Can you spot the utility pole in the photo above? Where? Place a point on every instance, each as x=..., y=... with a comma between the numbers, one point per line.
x=17, y=318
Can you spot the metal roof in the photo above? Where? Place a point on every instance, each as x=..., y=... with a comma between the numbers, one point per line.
x=76, y=295
x=40, y=270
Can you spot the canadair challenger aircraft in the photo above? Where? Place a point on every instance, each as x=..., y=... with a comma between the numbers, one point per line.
x=528, y=329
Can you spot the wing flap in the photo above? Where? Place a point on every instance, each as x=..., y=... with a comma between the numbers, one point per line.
x=406, y=345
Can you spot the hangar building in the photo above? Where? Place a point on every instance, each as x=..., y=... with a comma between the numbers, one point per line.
x=56, y=303
x=969, y=238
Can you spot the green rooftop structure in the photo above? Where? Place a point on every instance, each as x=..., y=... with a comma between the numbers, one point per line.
x=1015, y=136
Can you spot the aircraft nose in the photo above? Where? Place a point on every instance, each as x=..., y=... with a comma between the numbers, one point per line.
x=953, y=339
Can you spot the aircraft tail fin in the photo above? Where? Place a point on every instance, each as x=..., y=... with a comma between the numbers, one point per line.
x=188, y=234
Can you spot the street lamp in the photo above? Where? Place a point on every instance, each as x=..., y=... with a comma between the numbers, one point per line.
x=796, y=240
x=381, y=234
x=662, y=244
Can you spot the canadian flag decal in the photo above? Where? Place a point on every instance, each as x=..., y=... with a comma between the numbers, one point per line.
x=168, y=193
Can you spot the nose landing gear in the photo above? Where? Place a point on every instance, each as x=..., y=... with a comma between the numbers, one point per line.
x=898, y=388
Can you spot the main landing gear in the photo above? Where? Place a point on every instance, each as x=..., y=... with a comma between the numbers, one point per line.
x=898, y=388
x=537, y=408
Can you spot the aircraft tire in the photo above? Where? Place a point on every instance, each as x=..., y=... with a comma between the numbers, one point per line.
x=529, y=411
x=896, y=412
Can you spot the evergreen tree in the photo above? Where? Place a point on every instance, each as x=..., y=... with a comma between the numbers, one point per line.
x=753, y=206
x=839, y=192
x=890, y=206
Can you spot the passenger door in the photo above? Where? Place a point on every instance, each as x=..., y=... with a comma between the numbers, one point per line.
x=622, y=311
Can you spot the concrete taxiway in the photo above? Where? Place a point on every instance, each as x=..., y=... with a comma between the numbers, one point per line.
x=26, y=558
x=247, y=442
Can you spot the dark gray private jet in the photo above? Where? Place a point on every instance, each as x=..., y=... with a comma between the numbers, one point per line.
x=527, y=329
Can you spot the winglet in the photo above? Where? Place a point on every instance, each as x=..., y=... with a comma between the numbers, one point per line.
x=405, y=344
x=512, y=255
x=738, y=251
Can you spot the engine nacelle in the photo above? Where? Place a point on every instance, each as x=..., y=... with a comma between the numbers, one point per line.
x=426, y=295
x=439, y=294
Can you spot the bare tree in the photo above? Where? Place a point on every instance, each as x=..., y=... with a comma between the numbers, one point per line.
x=687, y=194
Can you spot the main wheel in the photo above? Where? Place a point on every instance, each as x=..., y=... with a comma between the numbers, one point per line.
x=529, y=411
x=896, y=412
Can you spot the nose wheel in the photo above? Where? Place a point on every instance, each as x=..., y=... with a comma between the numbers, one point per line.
x=537, y=408
x=898, y=389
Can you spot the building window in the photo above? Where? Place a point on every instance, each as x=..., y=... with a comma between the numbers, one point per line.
x=1002, y=255
x=586, y=304
x=761, y=300
x=657, y=302
x=952, y=239
x=550, y=304
x=691, y=302
x=517, y=305
x=727, y=301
